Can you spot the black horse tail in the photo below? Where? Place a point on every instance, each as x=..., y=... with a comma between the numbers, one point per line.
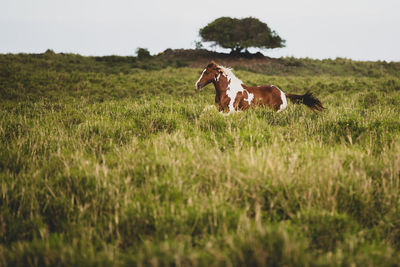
x=307, y=99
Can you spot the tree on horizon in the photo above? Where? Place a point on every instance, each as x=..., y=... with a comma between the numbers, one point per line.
x=239, y=34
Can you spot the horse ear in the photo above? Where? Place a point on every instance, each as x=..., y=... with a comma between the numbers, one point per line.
x=211, y=64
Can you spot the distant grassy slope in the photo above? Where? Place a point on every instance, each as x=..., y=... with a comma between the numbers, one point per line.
x=199, y=58
x=285, y=66
x=116, y=161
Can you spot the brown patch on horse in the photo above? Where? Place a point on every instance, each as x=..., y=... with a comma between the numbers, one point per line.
x=268, y=95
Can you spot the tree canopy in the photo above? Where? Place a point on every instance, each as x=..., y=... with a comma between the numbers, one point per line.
x=239, y=34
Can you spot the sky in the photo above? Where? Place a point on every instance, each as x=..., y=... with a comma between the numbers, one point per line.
x=355, y=29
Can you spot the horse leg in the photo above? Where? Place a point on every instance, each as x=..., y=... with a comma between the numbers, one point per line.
x=223, y=103
x=217, y=99
x=236, y=103
x=241, y=101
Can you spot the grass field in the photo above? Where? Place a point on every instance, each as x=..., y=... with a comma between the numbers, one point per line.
x=108, y=162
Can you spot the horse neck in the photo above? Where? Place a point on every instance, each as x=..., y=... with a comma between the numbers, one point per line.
x=221, y=85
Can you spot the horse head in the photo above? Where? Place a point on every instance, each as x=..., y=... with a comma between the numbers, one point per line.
x=209, y=74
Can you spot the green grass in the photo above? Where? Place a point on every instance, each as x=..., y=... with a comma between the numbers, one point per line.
x=110, y=168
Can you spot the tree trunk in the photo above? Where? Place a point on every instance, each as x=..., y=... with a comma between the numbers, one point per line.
x=236, y=50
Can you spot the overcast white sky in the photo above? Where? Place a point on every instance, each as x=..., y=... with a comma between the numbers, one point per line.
x=356, y=29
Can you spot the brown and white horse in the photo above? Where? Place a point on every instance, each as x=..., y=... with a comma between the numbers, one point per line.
x=232, y=95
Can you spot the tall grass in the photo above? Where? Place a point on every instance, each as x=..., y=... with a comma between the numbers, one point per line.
x=138, y=169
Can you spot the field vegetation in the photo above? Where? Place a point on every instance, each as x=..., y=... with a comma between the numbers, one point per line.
x=108, y=161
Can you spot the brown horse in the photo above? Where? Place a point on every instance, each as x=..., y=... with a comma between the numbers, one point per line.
x=232, y=95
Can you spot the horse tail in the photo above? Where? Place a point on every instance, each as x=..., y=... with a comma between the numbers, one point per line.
x=307, y=99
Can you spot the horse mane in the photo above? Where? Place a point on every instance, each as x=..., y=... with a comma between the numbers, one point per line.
x=229, y=74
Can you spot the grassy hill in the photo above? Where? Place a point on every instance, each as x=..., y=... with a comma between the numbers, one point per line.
x=119, y=161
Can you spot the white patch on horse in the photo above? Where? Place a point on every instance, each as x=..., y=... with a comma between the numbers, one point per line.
x=201, y=76
x=250, y=97
x=283, y=98
x=234, y=87
x=217, y=78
